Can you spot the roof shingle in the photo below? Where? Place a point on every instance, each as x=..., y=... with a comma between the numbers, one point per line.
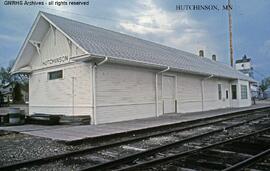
x=100, y=41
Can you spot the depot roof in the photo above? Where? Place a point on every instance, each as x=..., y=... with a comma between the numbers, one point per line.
x=103, y=42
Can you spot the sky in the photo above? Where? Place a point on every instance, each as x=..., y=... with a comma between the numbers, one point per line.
x=159, y=21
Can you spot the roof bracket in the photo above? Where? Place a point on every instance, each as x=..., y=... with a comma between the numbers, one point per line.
x=70, y=47
x=53, y=29
x=36, y=44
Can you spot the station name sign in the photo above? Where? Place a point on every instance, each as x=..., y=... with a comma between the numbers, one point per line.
x=59, y=60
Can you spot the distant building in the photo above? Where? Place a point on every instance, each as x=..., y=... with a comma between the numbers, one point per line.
x=266, y=93
x=6, y=93
x=244, y=65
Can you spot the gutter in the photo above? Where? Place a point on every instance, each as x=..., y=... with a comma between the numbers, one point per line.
x=160, y=72
x=156, y=66
x=165, y=70
x=102, y=62
x=94, y=120
x=202, y=89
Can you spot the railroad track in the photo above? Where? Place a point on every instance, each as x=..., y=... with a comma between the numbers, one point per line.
x=250, y=152
x=107, y=156
x=257, y=162
x=169, y=151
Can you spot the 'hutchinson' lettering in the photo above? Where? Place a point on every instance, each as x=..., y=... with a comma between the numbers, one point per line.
x=61, y=59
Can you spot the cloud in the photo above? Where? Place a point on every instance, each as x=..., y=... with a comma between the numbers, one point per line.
x=265, y=49
x=154, y=19
x=149, y=21
x=8, y=38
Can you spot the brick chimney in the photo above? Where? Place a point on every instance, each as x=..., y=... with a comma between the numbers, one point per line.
x=214, y=57
x=201, y=53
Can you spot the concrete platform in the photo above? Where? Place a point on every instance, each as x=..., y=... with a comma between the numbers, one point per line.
x=69, y=133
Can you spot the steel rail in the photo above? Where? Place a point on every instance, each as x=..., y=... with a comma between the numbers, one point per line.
x=182, y=154
x=47, y=159
x=93, y=149
x=135, y=156
x=248, y=162
x=178, y=124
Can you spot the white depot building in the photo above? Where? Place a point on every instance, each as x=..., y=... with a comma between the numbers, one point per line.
x=78, y=69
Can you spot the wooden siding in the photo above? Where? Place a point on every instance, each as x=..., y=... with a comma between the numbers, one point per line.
x=124, y=93
x=70, y=95
x=168, y=93
x=211, y=100
x=241, y=102
x=56, y=96
x=189, y=95
x=160, y=101
x=117, y=113
x=54, y=45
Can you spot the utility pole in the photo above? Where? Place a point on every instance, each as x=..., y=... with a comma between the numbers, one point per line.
x=230, y=31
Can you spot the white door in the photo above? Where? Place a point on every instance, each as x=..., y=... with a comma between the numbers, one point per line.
x=168, y=93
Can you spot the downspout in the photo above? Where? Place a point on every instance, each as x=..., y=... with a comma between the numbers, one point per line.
x=160, y=72
x=94, y=120
x=202, y=89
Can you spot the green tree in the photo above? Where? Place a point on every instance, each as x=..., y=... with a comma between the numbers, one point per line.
x=17, y=81
x=1, y=99
x=265, y=83
x=7, y=78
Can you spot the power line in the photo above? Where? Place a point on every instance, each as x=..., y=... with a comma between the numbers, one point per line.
x=259, y=73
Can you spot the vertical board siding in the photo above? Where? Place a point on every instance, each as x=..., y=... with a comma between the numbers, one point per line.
x=124, y=93
x=59, y=96
x=117, y=113
x=168, y=93
x=211, y=94
x=53, y=46
x=241, y=102
x=160, y=102
x=244, y=102
x=189, y=95
x=56, y=96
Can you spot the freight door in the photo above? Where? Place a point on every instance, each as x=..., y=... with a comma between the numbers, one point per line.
x=168, y=94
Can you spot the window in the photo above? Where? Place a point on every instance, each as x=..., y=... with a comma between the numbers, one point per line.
x=244, y=92
x=219, y=92
x=227, y=94
x=234, y=92
x=55, y=75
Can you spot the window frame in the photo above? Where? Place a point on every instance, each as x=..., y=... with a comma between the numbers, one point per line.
x=244, y=95
x=219, y=91
x=50, y=78
x=234, y=96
